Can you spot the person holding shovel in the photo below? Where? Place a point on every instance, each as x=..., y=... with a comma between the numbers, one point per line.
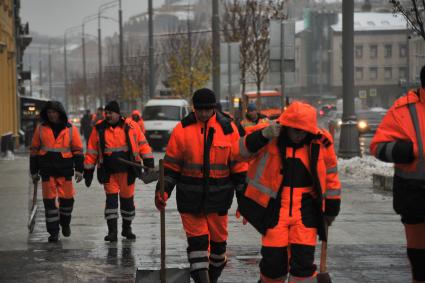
x=113, y=139
x=399, y=139
x=199, y=161
x=293, y=192
x=56, y=155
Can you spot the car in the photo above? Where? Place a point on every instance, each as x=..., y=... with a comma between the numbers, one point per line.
x=160, y=117
x=369, y=120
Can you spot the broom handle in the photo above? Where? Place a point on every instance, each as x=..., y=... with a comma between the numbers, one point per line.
x=162, y=274
x=324, y=252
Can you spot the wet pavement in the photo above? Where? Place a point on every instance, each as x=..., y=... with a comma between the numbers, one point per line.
x=366, y=242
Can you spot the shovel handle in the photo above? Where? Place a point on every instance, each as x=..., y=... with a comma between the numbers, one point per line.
x=162, y=274
x=324, y=251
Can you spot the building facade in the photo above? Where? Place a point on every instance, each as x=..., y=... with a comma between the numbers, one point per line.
x=8, y=88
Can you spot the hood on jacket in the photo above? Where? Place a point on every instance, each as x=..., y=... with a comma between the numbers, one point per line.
x=54, y=105
x=300, y=115
x=136, y=112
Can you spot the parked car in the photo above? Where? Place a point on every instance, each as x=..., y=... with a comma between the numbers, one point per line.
x=160, y=117
x=326, y=109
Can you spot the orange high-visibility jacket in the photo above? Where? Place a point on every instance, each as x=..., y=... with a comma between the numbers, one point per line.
x=404, y=121
x=199, y=161
x=265, y=175
x=125, y=140
x=56, y=156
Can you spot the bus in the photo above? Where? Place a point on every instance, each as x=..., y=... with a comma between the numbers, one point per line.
x=270, y=102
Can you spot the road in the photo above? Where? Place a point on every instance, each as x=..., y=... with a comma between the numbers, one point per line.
x=365, y=244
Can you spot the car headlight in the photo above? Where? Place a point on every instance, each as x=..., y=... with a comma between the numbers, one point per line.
x=339, y=122
x=362, y=125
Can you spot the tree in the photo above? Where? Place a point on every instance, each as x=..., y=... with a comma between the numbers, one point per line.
x=414, y=12
x=188, y=63
x=248, y=22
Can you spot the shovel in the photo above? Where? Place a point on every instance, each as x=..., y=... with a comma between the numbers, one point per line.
x=34, y=207
x=148, y=176
x=323, y=276
x=176, y=274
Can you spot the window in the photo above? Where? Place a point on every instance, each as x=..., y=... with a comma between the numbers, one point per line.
x=388, y=73
x=373, y=51
x=402, y=72
x=388, y=50
x=359, y=51
x=162, y=112
x=402, y=50
x=359, y=73
x=373, y=73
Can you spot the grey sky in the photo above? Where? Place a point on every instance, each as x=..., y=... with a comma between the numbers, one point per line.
x=52, y=17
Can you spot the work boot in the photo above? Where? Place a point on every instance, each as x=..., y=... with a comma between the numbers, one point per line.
x=112, y=230
x=126, y=230
x=200, y=276
x=66, y=231
x=53, y=238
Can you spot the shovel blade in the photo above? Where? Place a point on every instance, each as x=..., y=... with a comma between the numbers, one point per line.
x=173, y=275
x=324, y=278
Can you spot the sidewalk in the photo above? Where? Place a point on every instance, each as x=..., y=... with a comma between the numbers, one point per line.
x=366, y=243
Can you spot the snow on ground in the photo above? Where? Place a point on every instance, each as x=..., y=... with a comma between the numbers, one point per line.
x=362, y=168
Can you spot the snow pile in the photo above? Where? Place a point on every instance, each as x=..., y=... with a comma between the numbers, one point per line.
x=362, y=168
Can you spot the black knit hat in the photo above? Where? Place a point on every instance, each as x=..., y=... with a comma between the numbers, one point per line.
x=423, y=76
x=113, y=106
x=204, y=98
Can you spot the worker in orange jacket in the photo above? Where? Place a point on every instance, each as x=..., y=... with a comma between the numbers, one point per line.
x=253, y=119
x=113, y=138
x=400, y=139
x=136, y=116
x=56, y=150
x=198, y=160
x=293, y=192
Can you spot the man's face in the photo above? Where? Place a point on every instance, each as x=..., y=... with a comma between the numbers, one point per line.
x=252, y=115
x=53, y=116
x=112, y=117
x=204, y=115
x=99, y=113
x=296, y=135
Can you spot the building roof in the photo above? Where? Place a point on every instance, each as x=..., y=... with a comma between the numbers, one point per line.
x=370, y=21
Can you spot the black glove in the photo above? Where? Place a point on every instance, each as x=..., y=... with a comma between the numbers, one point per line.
x=88, y=177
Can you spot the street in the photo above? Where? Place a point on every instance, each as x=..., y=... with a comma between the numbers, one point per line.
x=366, y=242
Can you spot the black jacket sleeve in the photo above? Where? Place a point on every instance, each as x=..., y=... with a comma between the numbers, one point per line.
x=397, y=152
x=78, y=162
x=255, y=141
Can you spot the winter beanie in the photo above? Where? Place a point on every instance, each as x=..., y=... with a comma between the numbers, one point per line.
x=113, y=106
x=204, y=98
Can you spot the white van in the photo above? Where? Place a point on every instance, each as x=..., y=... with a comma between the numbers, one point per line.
x=160, y=117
